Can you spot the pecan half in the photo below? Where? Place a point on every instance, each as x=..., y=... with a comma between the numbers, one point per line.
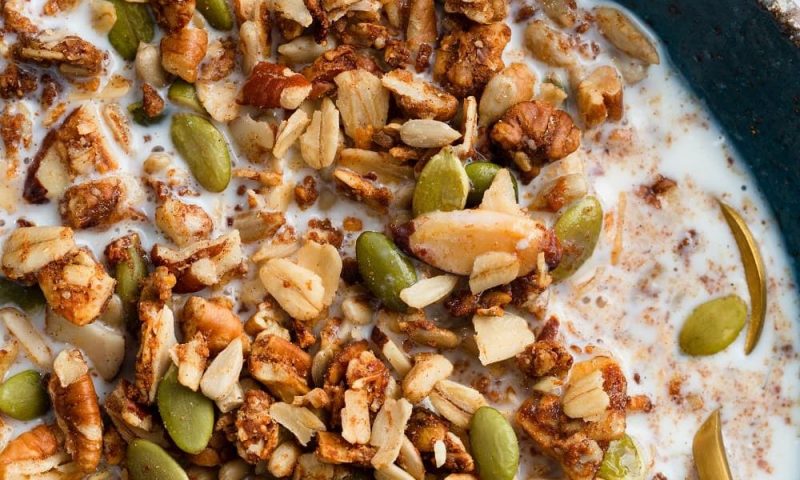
x=182, y=52
x=275, y=86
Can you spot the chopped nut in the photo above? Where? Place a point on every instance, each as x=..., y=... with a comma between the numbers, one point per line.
x=148, y=64
x=219, y=99
x=547, y=357
x=467, y=59
x=8, y=355
x=280, y=365
x=289, y=131
x=214, y=319
x=425, y=429
x=512, y=85
x=76, y=147
x=549, y=45
x=560, y=183
x=183, y=223
x=492, y=269
x=363, y=103
x=272, y=86
x=428, y=369
x=327, y=66
x=132, y=419
x=410, y=460
x=552, y=94
x=652, y=193
x=535, y=132
x=222, y=374
x=428, y=133
x=157, y=337
x=388, y=431
x=294, y=10
x=333, y=449
x=362, y=189
x=202, y=264
x=456, y=402
x=599, y=97
x=283, y=459
x=501, y=338
x=324, y=260
x=393, y=354
x=183, y=50
x=173, y=15
x=72, y=55
x=418, y=98
x=32, y=453
x=76, y=287
x=302, y=50
x=366, y=162
x=501, y=196
x=481, y=11
x=256, y=432
x=298, y=420
x=421, y=31
x=20, y=326
x=29, y=249
x=620, y=30
x=357, y=310
x=191, y=358
x=319, y=143
x=77, y=411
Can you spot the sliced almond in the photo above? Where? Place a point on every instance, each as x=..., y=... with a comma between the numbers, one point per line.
x=388, y=431
x=428, y=291
x=223, y=373
x=298, y=420
x=19, y=325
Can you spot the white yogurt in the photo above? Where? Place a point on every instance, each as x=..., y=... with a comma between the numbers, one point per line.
x=633, y=308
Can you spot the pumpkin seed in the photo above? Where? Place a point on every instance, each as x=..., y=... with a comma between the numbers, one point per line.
x=494, y=444
x=23, y=396
x=385, y=269
x=188, y=415
x=708, y=450
x=578, y=230
x=204, y=149
x=129, y=274
x=622, y=461
x=754, y=273
x=133, y=25
x=443, y=184
x=139, y=116
x=216, y=13
x=148, y=461
x=27, y=298
x=184, y=94
x=712, y=326
x=480, y=176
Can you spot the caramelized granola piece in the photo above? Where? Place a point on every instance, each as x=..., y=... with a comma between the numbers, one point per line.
x=424, y=429
x=469, y=56
x=173, y=15
x=16, y=82
x=152, y=103
x=94, y=203
x=280, y=365
x=333, y=62
x=547, y=356
x=256, y=433
x=333, y=449
x=71, y=54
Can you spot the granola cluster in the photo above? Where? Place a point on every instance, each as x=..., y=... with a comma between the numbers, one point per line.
x=310, y=358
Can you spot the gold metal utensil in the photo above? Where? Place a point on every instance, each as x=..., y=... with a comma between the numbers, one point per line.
x=754, y=273
x=708, y=450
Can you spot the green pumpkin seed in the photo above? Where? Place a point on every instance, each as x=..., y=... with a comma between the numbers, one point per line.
x=139, y=116
x=148, y=461
x=384, y=268
x=480, y=176
x=216, y=13
x=494, y=444
x=133, y=25
x=183, y=93
x=129, y=274
x=204, y=149
x=23, y=396
x=578, y=230
x=442, y=185
x=712, y=326
x=188, y=415
x=622, y=461
x=27, y=298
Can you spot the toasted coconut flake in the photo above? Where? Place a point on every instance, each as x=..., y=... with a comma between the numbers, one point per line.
x=428, y=369
x=388, y=431
x=19, y=325
x=501, y=338
x=298, y=420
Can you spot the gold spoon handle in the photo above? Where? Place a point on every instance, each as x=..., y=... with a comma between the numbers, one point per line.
x=708, y=450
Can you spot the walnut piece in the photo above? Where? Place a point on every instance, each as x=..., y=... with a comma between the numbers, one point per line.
x=76, y=287
x=533, y=133
x=467, y=59
x=77, y=411
x=599, y=97
x=272, y=86
x=173, y=15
